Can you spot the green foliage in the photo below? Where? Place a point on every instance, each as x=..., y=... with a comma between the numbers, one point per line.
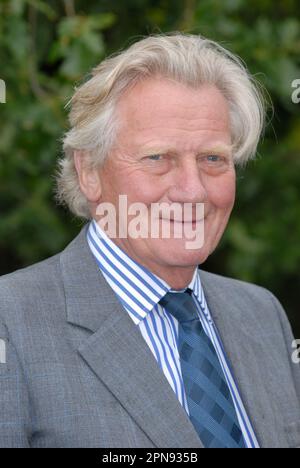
x=48, y=47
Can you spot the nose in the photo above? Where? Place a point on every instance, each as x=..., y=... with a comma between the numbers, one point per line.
x=188, y=184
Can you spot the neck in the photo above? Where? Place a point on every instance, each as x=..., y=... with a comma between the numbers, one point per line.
x=176, y=277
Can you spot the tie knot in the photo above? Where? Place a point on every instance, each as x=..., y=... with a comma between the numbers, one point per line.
x=180, y=305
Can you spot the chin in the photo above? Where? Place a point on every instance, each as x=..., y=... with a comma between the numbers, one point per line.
x=182, y=257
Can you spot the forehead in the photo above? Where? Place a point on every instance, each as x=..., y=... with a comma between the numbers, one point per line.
x=164, y=107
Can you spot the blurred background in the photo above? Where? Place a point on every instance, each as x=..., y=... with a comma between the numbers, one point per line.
x=46, y=47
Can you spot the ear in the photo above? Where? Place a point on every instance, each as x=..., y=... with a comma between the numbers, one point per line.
x=89, y=179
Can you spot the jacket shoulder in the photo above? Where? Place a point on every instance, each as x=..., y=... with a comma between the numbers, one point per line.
x=233, y=286
x=256, y=303
x=37, y=292
x=29, y=276
x=28, y=289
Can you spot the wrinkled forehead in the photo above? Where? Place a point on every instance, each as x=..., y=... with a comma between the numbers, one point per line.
x=162, y=112
x=153, y=97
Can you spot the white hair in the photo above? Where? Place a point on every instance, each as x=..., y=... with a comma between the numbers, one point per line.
x=188, y=59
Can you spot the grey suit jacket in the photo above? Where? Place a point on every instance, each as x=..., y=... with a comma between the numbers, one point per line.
x=79, y=374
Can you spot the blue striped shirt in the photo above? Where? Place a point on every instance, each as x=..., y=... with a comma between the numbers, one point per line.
x=139, y=291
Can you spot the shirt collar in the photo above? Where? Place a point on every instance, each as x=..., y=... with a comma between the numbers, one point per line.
x=138, y=289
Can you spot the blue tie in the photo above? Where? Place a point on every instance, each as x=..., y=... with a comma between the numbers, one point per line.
x=210, y=403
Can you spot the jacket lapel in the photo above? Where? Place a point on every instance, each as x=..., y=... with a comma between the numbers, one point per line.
x=244, y=351
x=118, y=354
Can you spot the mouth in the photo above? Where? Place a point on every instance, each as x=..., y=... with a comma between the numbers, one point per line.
x=184, y=221
x=193, y=225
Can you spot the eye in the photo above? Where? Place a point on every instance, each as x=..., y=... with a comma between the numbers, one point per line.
x=214, y=158
x=155, y=157
x=214, y=163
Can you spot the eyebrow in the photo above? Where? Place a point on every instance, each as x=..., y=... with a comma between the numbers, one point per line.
x=214, y=148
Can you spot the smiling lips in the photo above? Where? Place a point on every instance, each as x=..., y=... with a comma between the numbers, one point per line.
x=184, y=221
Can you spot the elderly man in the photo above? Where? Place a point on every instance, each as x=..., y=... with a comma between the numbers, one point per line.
x=121, y=340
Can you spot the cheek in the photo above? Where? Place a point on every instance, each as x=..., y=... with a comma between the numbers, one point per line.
x=141, y=187
x=222, y=194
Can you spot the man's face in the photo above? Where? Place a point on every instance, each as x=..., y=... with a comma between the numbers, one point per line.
x=173, y=145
